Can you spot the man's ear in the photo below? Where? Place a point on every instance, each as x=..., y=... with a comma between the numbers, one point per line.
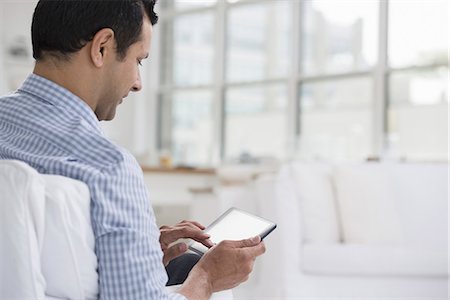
x=102, y=44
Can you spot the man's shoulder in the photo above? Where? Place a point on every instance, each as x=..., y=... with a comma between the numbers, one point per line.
x=55, y=134
x=91, y=149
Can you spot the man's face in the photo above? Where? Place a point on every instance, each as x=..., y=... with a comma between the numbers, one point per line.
x=123, y=76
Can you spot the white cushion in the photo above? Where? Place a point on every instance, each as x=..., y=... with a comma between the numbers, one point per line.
x=367, y=204
x=69, y=263
x=318, y=208
x=373, y=260
x=46, y=226
x=422, y=195
x=22, y=205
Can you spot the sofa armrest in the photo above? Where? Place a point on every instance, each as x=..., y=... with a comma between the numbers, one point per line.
x=277, y=201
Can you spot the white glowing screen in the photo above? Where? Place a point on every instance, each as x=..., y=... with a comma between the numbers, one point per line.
x=235, y=225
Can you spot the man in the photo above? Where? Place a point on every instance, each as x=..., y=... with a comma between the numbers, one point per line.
x=87, y=61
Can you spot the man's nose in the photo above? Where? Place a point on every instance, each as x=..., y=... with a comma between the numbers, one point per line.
x=137, y=86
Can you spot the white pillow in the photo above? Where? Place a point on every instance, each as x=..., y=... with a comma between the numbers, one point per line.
x=367, y=205
x=318, y=208
x=69, y=263
x=22, y=205
x=422, y=198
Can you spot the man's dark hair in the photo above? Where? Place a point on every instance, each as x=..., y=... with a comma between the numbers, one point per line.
x=63, y=27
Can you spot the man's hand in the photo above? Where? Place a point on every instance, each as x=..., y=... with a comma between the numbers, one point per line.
x=184, y=229
x=224, y=266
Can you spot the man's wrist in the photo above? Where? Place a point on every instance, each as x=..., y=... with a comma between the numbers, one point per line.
x=197, y=286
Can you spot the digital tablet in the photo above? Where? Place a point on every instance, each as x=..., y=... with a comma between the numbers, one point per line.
x=234, y=224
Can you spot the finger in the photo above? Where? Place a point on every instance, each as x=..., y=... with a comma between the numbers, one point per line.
x=207, y=242
x=195, y=223
x=251, y=242
x=190, y=224
x=172, y=235
x=173, y=252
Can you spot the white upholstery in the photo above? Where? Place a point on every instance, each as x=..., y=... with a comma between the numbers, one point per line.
x=69, y=263
x=314, y=190
x=366, y=200
x=21, y=233
x=47, y=243
x=393, y=221
x=52, y=217
x=422, y=194
x=370, y=260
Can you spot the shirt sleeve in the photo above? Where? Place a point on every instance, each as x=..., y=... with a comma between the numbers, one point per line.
x=127, y=238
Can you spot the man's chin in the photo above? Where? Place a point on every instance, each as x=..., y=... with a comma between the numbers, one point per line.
x=108, y=116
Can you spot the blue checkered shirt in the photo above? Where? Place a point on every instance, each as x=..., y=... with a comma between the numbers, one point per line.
x=55, y=132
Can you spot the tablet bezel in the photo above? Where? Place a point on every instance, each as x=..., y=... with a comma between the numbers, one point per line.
x=271, y=226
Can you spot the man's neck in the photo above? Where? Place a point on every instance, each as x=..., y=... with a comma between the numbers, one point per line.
x=68, y=75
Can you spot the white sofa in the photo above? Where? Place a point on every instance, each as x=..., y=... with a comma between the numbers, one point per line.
x=46, y=238
x=355, y=231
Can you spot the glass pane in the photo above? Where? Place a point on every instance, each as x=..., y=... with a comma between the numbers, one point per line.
x=190, y=61
x=418, y=32
x=418, y=115
x=256, y=121
x=191, y=132
x=340, y=36
x=336, y=119
x=187, y=4
x=259, y=41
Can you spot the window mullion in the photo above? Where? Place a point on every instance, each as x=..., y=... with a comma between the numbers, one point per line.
x=380, y=93
x=165, y=62
x=219, y=84
x=294, y=80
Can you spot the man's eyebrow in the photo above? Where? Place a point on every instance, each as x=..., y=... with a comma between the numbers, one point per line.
x=146, y=56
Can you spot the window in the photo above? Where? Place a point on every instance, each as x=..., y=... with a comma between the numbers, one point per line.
x=250, y=91
x=191, y=63
x=257, y=68
x=339, y=40
x=187, y=100
x=259, y=41
x=338, y=79
x=339, y=36
x=256, y=121
x=191, y=127
x=337, y=118
x=189, y=4
x=418, y=80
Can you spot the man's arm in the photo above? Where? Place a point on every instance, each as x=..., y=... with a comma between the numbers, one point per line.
x=224, y=266
x=127, y=238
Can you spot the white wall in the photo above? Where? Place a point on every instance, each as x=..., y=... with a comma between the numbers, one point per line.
x=3, y=85
x=15, y=32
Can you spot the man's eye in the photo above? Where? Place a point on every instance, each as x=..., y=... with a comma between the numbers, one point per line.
x=140, y=62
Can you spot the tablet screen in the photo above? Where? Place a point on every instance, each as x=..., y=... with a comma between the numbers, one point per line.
x=235, y=224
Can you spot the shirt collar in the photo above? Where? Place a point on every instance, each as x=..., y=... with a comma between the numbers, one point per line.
x=55, y=94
